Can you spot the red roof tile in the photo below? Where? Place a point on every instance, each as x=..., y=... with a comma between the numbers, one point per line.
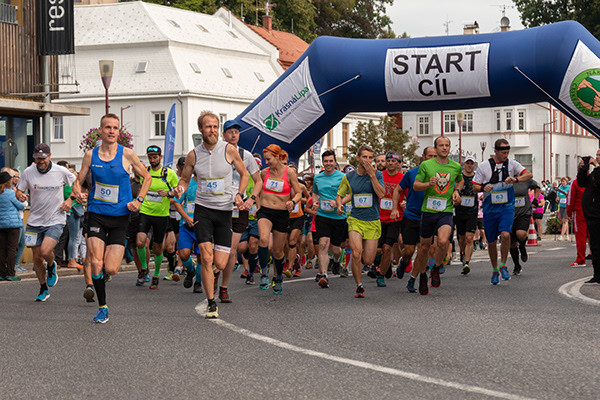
x=289, y=45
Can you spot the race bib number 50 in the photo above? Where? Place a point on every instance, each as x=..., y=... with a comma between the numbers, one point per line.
x=107, y=193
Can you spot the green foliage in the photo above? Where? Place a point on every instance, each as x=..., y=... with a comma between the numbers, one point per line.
x=382, y=137
x=541, y=12
x=297, y=16
x=354, y=18
x=553, y=225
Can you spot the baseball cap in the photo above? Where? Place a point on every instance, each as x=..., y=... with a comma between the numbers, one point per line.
x=4, y=177
x=470, y=158
x=348, y=168
x=41, y=150
x=394, y=155
x=154, y=150
x=181, y=162
x=232, y=123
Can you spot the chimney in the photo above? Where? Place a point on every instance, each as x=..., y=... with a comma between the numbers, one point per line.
x=267, y=23
x=471, y=29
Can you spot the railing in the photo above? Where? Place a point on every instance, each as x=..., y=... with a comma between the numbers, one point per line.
x=8, y=13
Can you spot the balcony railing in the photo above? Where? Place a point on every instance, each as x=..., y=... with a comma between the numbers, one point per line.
x=8, y=13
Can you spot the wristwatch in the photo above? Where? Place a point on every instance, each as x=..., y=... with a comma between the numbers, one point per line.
x=253, y=197
x=72, y=197
x=140, y=199
x=241, y=195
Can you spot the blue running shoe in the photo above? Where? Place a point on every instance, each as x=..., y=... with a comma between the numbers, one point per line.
x=101, y=316
x=147, y=277
x=277, y=287
x=495, y=278
x=264, y=283
x=411, y=285
x=442, y=269
x=505, y=274
x=52, y=275
x=381, y=281
x=43, y=296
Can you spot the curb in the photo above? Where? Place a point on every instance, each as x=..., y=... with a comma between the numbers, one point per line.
x=69, y=271
x=571, y=290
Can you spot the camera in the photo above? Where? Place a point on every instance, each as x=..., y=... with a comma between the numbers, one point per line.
x=586, y=159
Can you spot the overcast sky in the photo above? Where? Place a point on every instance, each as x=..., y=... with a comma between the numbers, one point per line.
x=427, y=17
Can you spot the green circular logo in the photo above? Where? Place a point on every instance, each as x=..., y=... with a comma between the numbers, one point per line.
x=585, y=92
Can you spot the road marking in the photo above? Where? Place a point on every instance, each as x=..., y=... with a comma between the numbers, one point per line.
x=572, y=291
x=201, y=307
x=556, y=248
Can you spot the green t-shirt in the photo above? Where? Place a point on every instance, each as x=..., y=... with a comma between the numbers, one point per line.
x=249, y=190
x=154, y=204
x=439, y=197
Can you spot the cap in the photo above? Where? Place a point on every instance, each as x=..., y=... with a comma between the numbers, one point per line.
x=392, y=155
x=231, y=124
x=348, y=168
x=181, y=162
x=41, y=150
x=154, y=150
x=4, y=177
x=470, y=158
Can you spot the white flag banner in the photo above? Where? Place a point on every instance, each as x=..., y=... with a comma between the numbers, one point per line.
x=580, y=89
x=437, y=73
x=290, y=108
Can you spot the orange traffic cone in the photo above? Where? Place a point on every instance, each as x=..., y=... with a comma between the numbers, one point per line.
x=532, y=234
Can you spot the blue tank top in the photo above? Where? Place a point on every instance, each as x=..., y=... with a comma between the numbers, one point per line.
x=111, y=190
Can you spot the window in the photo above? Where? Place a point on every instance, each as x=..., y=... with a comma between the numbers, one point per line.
x=468, y=123
x=345, y=131
x=567, y=125
x=142, y=66
x=233, y=35
x=222, y=119
x=423, y=125
x=526, y=160
x=58, y=132
x=159, y=123
x=450, y=123
x=175, y=24
x=567, y=159
x=202, y=28
x=521, y=120
x=330, y=139
x=498, y=121
x=556, y=164
x=227, y=72
x=8, y=12
x=195, y=68
x=508, y=118
x=259, y=76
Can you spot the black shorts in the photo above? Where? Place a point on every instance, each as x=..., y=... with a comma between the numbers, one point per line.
x=519, y=224
x=159, y=226
x=279, y=218
x=480, y=224
x=212, y=225
x=173, y=226
x=334, y=229
x=465, y=223
x=296, y=223
x=410, y=231
x=240, y=224
x=389, y=233
x=538, y=215
x=109, y=228
x=431, y=222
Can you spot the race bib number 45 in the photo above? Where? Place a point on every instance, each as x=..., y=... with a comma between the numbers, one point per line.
x=212, y=185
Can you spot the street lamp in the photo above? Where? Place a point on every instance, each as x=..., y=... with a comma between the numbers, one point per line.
x=483, y=146
x=106, y=72
x=123, y=109
x=460, y=117
x=544, y=147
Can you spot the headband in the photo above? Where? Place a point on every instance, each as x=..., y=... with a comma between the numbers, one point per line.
x=504, y=147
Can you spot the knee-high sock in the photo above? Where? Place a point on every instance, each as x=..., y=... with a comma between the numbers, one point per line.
x=157, y=262
x=252, y=261
x=172, y=257
x=279, y=264
x=263, y=259
x=142, y=255
x=188, y=265
x=514, y=254
x=100, y=287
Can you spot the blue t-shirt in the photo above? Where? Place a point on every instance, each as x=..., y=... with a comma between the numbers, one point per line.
x=365, y=202
x=562, y=198
x=187, y=200
x=414, y=200
x=326, y=187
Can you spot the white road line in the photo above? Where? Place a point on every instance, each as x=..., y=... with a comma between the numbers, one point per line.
x=556, y=248
x=201, y=307
x=572, y=291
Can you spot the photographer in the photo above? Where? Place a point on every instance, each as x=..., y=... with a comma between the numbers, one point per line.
x=590, y=203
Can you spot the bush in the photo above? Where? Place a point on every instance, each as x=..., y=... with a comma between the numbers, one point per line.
x=88, y=141
x=554, y=225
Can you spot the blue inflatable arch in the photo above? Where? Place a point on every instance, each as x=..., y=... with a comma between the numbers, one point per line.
x=558, y=63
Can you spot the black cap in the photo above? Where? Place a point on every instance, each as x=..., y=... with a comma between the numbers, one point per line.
x=41, y=150
x=154, y=150
x=4, y=177
x=181, y=162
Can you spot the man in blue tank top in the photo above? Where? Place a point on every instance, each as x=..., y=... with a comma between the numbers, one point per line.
x=110, y=202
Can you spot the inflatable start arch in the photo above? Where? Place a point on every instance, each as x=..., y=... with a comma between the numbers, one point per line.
x=558, y=63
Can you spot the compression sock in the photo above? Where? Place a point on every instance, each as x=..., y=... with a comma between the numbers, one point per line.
x=377, y=260
x=43, y=287
x=430, y=262
x=279, y=267
x=188, y=265
x=100, y=287
x=514, y=254
x=172, y=257
x=142, y=255
x=157, y=263
x=198, y=272
x=495, y=269
x=252, y=261
x=263, y=259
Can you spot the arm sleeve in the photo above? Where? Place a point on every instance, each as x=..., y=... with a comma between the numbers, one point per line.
x=344, y=187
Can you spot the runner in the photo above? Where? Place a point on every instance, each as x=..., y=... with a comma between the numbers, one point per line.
x=296, y=224
x=380, y=162
x=45, y=182
x=411, y=218
x=521, y=220
x=154, y=211
x=231, y=134
x=109, y=205
x=495, y=178
x=364, y=226
x=441, y=179
x=211, y=161
x=276, y=202
x=465, y=218
x=331, y=229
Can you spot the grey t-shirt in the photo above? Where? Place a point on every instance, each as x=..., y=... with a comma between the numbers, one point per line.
x=522, y=201
x=249, y=163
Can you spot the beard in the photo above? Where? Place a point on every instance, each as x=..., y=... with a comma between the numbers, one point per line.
x=210, y=139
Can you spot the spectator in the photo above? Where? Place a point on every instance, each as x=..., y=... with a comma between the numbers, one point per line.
x=9, y=228
x=575, y=214
x=15, y=179
x=590, y=204
x=537, y=203
x=551, y=197
x=563, y=191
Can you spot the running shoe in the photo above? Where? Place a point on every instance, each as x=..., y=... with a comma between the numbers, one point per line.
x=250, y=280
x=389, y=272
x=318, y=278
x=297, y=273
x=212, y=311
x=2, y=278
x=409, y=267
x=20, y=269
x=101, y=316
x=13, y=278
x=188, y=280
x=287, y=272
x=366, y=268
x=344, y=273
x=43, y=296
x=401, y=269
x=588, y=257
x=168, y=276
x=147, y=279
x=197, y=287
x=360, y=292
x=177, y=274
x=324, y=282
x=442, y=269
x=577, y=265
x=277, y=287
x=423, y=286
x=335, y=268
x=309, y=264
x=154, y=284
x=224, y=295
x=372, y=272
x=504, y=273
x=593, y=281
x=88, y=294
x=264, y=283
x=141, y=278
x=411, y=285
x=236, y=266
x=517, y=270
x=495, y=278
x=52, y=275
x=381, y=281
x=466, y=269
x=523, y=250
x=435, y=277
x=244, y=274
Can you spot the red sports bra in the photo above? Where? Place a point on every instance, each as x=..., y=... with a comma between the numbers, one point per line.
x=276, y=186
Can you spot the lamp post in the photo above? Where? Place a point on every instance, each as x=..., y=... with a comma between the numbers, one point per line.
x=106, y=72
x=544, y=147
x=123, y=109
x=460, y=117
x=483, y=146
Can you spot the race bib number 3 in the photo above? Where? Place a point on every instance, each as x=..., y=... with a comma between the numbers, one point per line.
x=499, y=197
x=467, y=201
x=212, y=185
x=520, y=201
x=107, y=193
x=30, y=239
x=385, y=204
x=325, y=206
x=274, y=185
x=363, y=200
x=436, y=204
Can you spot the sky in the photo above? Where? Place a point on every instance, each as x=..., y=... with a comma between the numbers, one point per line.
x=420, y=18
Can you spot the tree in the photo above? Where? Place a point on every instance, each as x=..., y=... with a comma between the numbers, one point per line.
x=296, y=16
x=382, y=137
x=541, y=12
x=353, y=18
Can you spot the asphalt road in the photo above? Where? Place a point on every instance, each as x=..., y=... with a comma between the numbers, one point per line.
x=465, y=340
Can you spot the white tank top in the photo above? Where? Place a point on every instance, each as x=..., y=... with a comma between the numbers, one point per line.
x=214, y=175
